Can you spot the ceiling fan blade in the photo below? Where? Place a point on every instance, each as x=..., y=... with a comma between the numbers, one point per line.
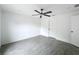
x=77, y=5
x=35, y=14
x=46, y=15
x=37, y=11
x=47, y=12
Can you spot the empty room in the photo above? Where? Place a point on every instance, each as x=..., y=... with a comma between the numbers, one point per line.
x=39, y=29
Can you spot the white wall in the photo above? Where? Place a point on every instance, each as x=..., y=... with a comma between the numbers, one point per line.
x=75, y=29
x=59, y=27
x=17, y=27
x=0, y=27
x=44, y=26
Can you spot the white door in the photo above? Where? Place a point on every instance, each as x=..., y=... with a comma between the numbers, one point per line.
x=75, y=30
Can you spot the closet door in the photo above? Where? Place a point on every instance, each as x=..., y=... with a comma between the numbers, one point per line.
x=75, y=30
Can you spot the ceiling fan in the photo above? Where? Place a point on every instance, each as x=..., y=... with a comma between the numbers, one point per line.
x=77, y=5
x=41, y=13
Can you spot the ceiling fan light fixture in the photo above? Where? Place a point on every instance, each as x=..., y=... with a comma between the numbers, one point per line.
x=41, y=13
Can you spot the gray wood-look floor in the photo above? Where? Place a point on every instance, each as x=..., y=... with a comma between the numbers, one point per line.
x=39, y=45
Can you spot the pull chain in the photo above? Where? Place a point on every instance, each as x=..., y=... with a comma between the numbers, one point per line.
x=48, y=27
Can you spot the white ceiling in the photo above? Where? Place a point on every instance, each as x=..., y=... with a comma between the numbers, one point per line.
x=28, y=9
